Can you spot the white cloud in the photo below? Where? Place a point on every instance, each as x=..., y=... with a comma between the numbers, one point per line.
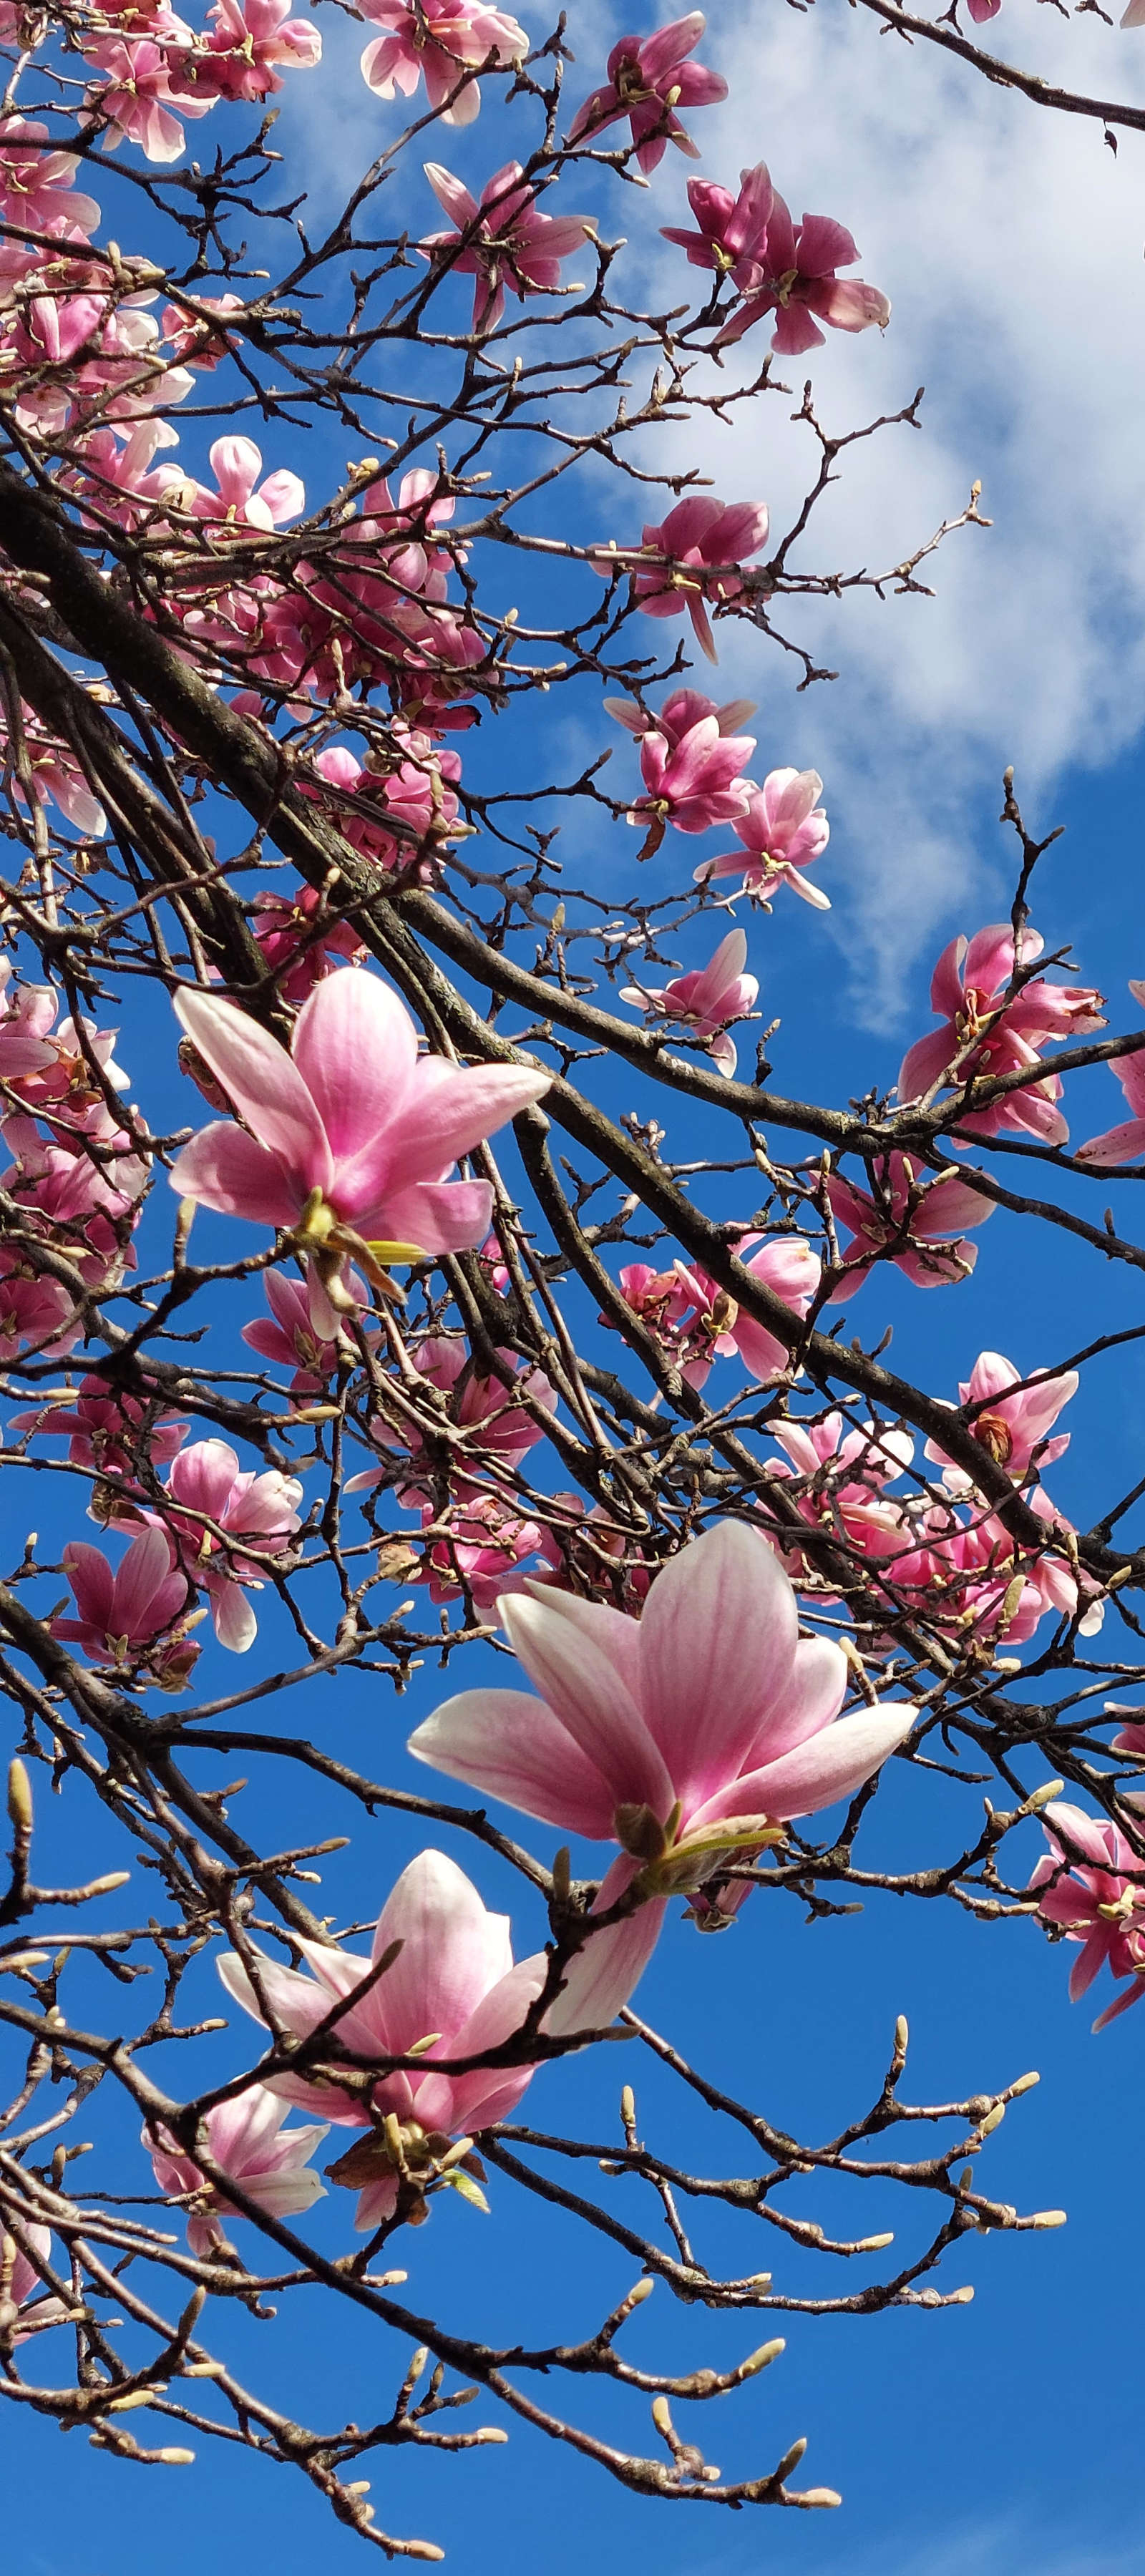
x=1009, y=240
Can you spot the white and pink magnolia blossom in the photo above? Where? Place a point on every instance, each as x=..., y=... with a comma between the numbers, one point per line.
x=247, y=2141
x=702, y=545
x=439, y=39
x=451, y=1991
x=908, y=1220
x=841, y=1469
x=732, y=231
x=105, y=1430
x=213, y=1506
x=1092, y=1884
x=139, y=88
x=688, y=1736
x=416, y=795
x=801, y=288
x=36, y=1314
x=479, y=1546
x=648, y=78
x=510, y=246
x=27, y=1013
x=717, y=1328
x=236, y=464
x=705, y=999
x=691, y=783
x=245, y=42
x=1123, y=1144
x=783, y=830
x=1012, y=1427
x=37, y=187
x=353, y=1134
x=987, y=1030
x=299, y=941
x=119, y=1615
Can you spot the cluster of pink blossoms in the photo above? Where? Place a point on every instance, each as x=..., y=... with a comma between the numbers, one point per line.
x=76, y=1172
x=996, y=1020
x=777, y=267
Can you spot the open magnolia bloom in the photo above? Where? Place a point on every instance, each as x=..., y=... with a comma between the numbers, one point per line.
x=689, y=1735
x=449, y=1989
x=348, y=1141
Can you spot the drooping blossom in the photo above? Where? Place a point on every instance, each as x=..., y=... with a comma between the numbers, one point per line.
x=802, y=289
x=55, y=777
x=352, y=1134
x=511, y=246
x=702, y=546
x=783, y=830
x=1012, y=1428
x=1092, y=1883
x=732, y=231
x=985, y=1034
x=22, y=2290
x=717, y=1326
x=244, y=43
x=438, y=38
x=27, y=1012
x=691, y=783
x=689, y=1736
x=489, y=1422
x=401, y=817
x=705, y=999
x=300, y=942
x=121, y=1615
x=903, y=1218
x=1118, y=1144
x=452, y=1991
x=685, y=708
x=841, y=1469
x=647, y=80
x=304, y=1332
x=214, y=1504
x=236, y=464
x=247, y=2141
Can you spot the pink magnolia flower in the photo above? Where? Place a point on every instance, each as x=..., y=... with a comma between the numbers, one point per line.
x=26, y=1017
x=105, y=1430
x=452, y=1992
x=841, y=1469
x=133, y=101
x=1097, y=1898
x=688, y=1736
x=246, y=42
x=801, y=288
x=438, y=38
x=704, y=542
x=120, y=1615
x=783, y=831
x=981, y=10
x=648, y=79
x=718, y=1327
x=510, y=246
x=57, y=779
x=190, y=335
x=685, y=708
x=296, y=945
x=1010, y=1428
x=214, y=1505
x=706, y=999
x=303, y=1331
x=21, y=2287
x=691, y=783
x=37, y=187
x=985, y=1034
x=36, y=1314
x=480, y=1549
x=236, y=464
x=1118, y=1144
x=247, y=2141
x=732, y=235
x=969, y=1579
x=415, y=794
x=353, y=1133
x=487, y=1408
x=908, y=1219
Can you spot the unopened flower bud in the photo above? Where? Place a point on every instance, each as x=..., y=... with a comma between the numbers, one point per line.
x=759, y=2360
x=1049, y=2218
x=19, y=1797
x=1026, y=2083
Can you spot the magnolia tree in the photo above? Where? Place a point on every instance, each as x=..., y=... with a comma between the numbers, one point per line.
x=429, y=1289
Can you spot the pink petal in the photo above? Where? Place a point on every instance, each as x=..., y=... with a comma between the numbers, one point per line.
x=452, y=1952
x=717, y=1640
x=258, y=1075
x=577, y=1678
x=828, y=1767
x=355, y=1048
x=512, y=1747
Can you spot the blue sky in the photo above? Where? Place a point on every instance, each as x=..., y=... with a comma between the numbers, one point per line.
x=1009, y=2429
